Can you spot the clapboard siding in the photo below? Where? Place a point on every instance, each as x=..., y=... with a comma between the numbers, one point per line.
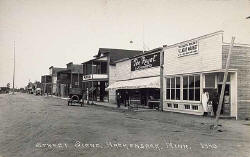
x=209, y=57
x=240, y=60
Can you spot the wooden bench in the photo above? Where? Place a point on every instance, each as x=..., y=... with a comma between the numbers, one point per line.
x=155, y=104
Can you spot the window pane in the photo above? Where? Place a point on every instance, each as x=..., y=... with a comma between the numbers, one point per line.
x=168, y=94
x=169, y=105
x=197, y=81
x=194, y=107
x=175, y=105
x=185, y=94
x=177, y=82
x=209, y=81
x=172, y=82
x=221, y=76
x=191, y=81
x=178, y=94
x=191, y=94
x=197, y=94
x=185, y=81
x=172, y=94
x=187, y=106
x=103, y=67
x=168, y=82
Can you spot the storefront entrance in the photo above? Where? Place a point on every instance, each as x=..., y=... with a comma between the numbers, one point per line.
x=97, y=92
x=141, y=98
x=226, y=106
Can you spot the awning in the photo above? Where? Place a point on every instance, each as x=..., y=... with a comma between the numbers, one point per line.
x=150, y=82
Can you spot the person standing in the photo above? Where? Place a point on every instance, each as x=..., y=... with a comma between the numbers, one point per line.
x=118, y=99
x=215, y=101
x=205, y=98
x=126, y=99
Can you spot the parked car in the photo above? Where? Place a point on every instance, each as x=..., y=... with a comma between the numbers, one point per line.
x=38, y=91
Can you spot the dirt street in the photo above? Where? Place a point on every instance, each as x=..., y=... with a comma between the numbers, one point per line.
x=38, y=126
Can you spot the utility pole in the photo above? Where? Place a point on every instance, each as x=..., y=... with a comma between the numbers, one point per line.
x=161, y=77
x=224, y=83
x=78, y=78
x=13, y=92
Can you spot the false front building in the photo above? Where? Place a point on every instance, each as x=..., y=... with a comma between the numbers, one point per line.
x=196, y=66
x=137, y=80
x=99, y=72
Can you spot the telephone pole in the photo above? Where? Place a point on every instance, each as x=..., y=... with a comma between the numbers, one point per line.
x=224, y=84
x=161, y=77
x=13, y=92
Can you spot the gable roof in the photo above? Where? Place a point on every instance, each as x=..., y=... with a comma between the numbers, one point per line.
x=142, y=54
x=117, y=54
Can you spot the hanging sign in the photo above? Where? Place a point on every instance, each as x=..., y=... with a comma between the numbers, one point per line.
x=188, y=48
x=144, y=62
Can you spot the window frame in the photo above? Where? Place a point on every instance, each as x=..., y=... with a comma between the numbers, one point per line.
x=170, y=89
x=193, y=87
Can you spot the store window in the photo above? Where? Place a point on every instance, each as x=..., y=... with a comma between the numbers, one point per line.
x=173, y=88
x=187, y=107
x=191, y=87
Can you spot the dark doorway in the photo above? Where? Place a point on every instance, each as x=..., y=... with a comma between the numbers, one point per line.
x=226, y=105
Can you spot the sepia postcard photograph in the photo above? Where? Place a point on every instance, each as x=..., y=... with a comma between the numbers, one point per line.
x=124, y=78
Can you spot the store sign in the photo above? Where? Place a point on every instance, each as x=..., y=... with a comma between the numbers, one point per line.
x=144, y=62
x=95, y=76
x=87, y=77
x=188, y=48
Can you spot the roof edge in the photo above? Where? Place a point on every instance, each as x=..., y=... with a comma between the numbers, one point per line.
x=236, y=44
x=197, y=38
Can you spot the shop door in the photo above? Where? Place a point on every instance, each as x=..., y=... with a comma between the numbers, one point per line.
x=226, y=106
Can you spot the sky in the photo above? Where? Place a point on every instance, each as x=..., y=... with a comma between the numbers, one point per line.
x=56, y=32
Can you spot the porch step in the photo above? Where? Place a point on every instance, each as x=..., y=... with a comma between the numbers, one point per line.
x=227, y=117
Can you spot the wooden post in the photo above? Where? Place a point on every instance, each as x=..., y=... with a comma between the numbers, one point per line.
x=14, y=69
x=224, y=84
x=161, y=78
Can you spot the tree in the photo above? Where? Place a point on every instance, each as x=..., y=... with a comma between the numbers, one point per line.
x=8, y=85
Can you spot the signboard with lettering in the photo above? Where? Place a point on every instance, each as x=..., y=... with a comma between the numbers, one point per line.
x=87, y=77
x=95, y=76
x=188, y=48
x=144, y=62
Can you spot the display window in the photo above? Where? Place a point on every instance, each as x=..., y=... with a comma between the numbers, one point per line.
x=191, y=87
x=173, y=88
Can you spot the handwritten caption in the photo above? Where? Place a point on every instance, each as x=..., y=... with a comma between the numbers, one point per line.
x=128, y=146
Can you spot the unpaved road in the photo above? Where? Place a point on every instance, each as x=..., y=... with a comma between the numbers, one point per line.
x=36, y=126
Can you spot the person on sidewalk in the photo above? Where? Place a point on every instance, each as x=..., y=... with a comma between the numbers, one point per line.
x=215, y=100
x=205, y=98
x=126, y=99
x=118, y=99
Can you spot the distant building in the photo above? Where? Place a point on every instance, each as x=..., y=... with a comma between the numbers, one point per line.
x=99, y=72
x=37, y=84
x=46, y=82
x=30, y=88
x=69, y=78
x=4, y=90
x=53, y=73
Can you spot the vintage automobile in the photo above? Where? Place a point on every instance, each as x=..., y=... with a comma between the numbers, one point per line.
x=38, y=91
x=75, y=96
